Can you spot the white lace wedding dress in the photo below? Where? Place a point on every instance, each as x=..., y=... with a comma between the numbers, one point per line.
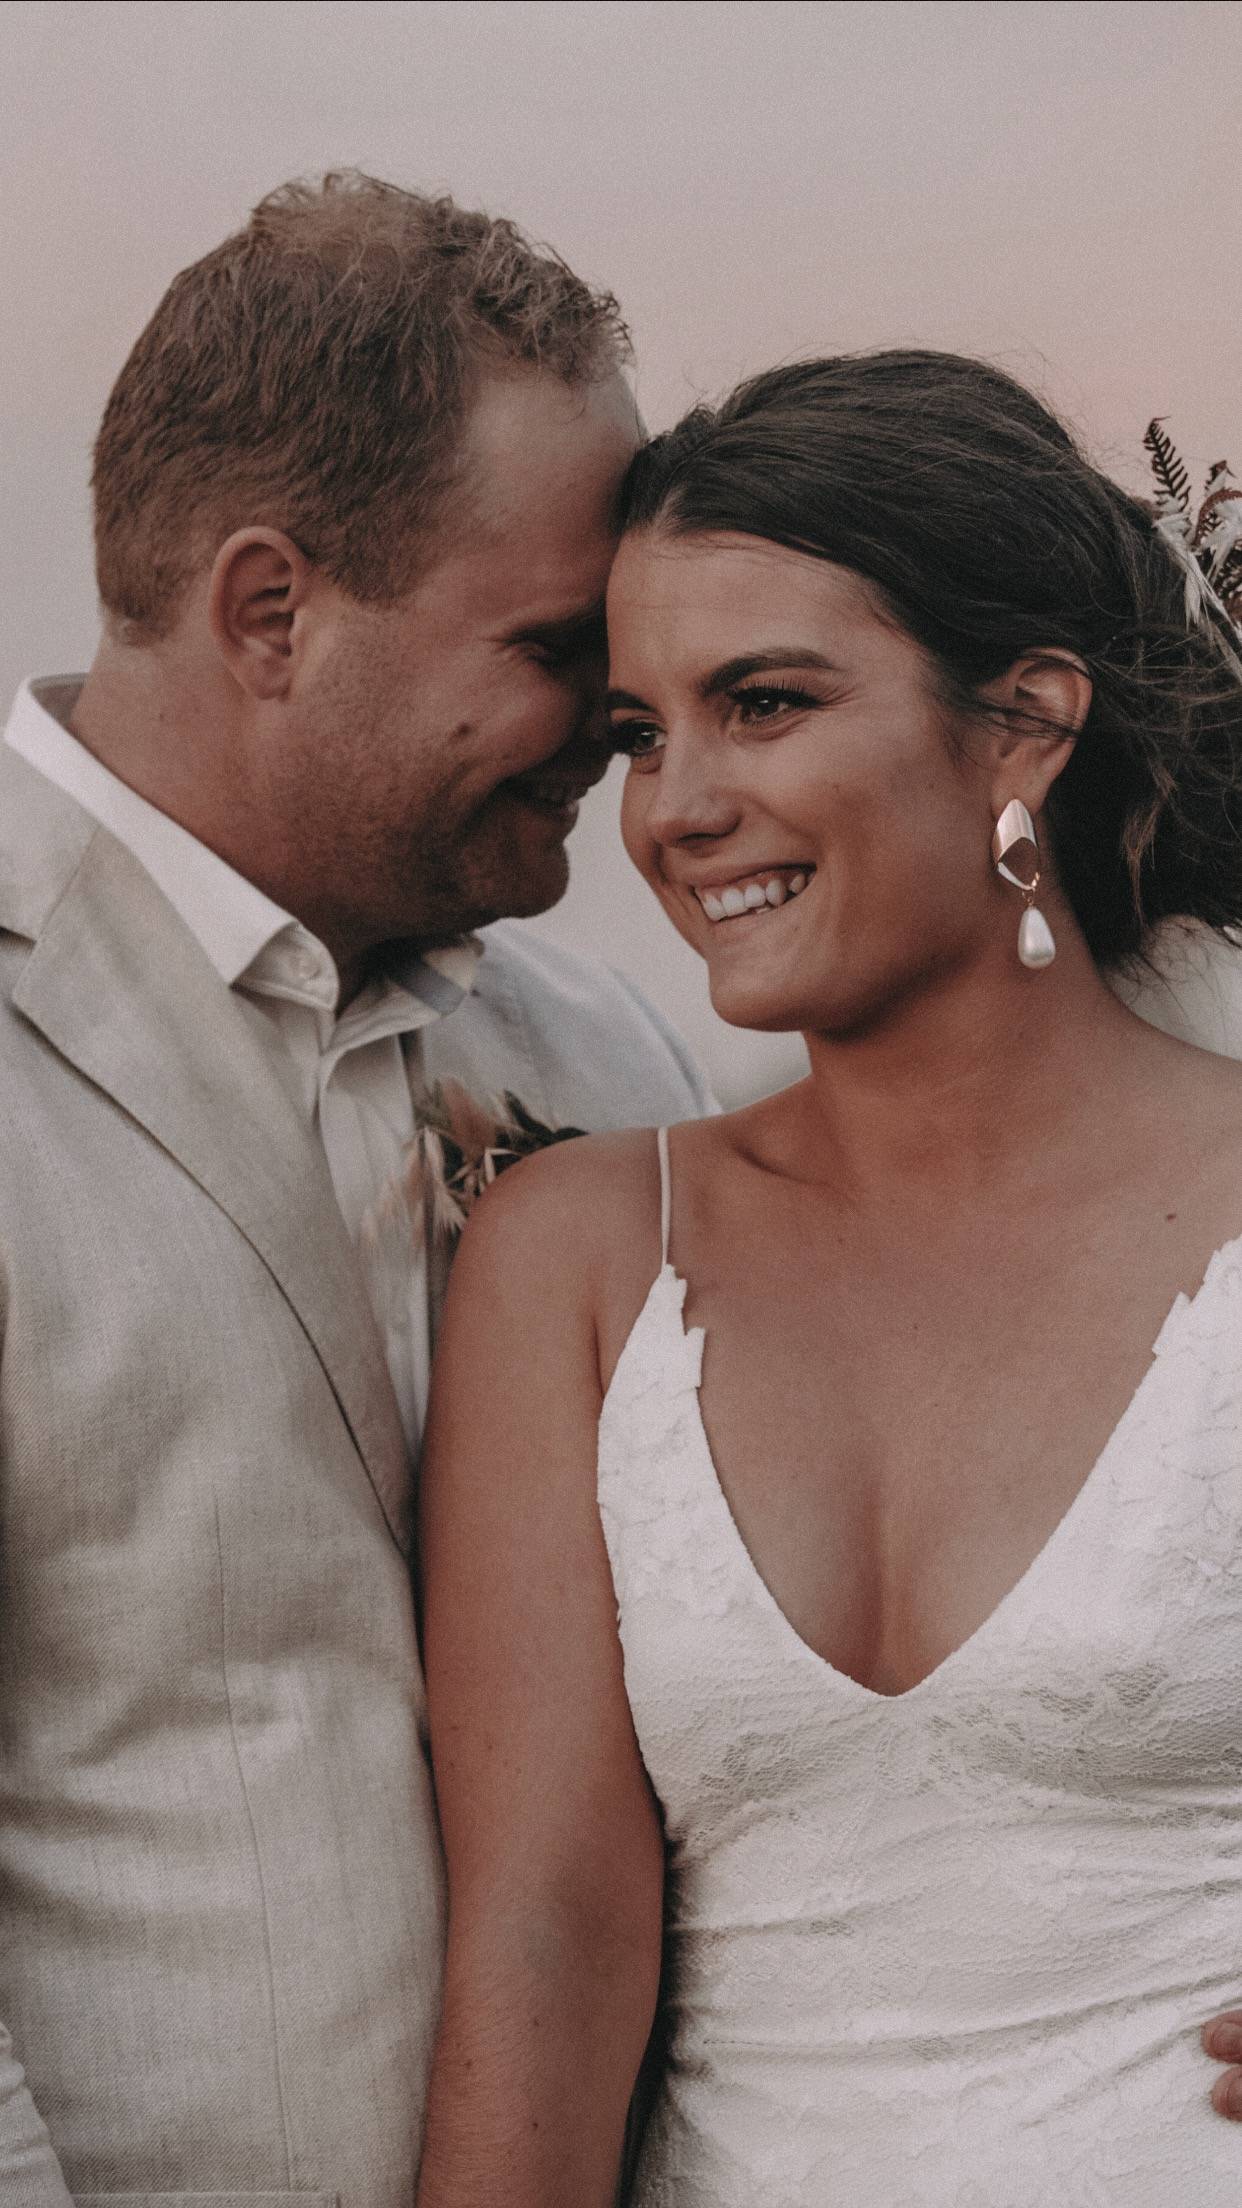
x=948, y=1949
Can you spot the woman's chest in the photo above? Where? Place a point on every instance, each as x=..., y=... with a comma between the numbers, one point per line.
x=897, y=1474
x=1100, y=1684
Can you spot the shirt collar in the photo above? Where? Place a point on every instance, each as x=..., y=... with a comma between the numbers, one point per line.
x=228, y=917
x=234, y=923
x=441, y=978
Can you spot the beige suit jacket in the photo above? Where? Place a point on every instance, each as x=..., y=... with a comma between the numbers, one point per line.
x=221, y=1910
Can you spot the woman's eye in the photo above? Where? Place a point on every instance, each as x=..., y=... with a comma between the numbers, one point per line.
x=635, y=739
x=764, y=702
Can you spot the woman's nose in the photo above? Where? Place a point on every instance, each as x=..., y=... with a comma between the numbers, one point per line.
x=689, y=801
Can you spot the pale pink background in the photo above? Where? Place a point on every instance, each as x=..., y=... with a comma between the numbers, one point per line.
x=1054, y=185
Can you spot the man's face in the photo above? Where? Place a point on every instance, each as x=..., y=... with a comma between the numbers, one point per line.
x=439, y=748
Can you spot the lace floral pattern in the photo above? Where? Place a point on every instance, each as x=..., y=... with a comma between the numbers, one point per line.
x=951, y=1948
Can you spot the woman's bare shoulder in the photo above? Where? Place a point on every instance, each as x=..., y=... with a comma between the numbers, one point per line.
x=587, y=1183
x=578, y=1225
x=576, y=1215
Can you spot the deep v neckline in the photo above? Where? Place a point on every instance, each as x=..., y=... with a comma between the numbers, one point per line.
x=1181, y=1310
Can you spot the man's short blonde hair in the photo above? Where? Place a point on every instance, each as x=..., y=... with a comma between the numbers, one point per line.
x=314, y=373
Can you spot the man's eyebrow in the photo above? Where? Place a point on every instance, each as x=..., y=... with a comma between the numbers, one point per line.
x=764, y=663
x=583, y=626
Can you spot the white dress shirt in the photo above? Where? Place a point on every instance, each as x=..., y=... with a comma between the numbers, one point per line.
x=355, y=1066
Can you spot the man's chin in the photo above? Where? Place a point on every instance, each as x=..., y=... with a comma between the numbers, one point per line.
x=513, y=866
x=516, y=896
x=535, y=891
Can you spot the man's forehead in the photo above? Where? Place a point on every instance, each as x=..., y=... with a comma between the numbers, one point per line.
x=547, y=569
x=542, y=402
x=535, y=446
x=527, y=536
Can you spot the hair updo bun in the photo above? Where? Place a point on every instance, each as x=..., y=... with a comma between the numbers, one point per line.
x=973, y=512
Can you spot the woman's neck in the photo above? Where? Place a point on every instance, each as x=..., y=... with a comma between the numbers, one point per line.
x=973, y=1081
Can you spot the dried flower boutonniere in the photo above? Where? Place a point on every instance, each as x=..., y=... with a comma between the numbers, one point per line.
x=462, y=1145
x=460, y=1148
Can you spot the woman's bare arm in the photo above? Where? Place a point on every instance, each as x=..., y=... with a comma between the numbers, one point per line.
x=555, y=1861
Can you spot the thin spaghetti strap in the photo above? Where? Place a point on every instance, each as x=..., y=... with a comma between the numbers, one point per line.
x=666, y=1194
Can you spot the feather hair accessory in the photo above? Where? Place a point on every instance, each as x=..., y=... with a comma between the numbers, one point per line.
x=1206, y=543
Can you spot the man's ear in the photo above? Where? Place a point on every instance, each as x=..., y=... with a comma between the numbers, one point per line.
x=259, y=579
x=1045, y=697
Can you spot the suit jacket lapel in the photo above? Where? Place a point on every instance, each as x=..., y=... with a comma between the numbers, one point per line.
x=121, y=989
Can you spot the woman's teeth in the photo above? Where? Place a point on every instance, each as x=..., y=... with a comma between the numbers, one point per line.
x=754, y=893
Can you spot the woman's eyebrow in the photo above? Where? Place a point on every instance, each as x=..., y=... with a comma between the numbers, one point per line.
x=731, y=671
x=764, y=663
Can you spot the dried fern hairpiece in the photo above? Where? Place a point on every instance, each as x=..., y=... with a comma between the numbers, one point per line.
x=1206, y=544
x=1167, y=466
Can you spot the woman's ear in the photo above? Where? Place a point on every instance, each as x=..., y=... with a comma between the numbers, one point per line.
x=258, y=581
x=1044, y=698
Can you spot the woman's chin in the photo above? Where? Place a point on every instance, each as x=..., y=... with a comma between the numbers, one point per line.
x=768, y=1011
x=770, y=1008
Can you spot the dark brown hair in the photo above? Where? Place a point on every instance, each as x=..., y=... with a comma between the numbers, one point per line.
x=313, y=373
x=986, y=533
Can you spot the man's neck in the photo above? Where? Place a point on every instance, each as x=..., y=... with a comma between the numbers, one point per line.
x=170, y=754
x=172, y=739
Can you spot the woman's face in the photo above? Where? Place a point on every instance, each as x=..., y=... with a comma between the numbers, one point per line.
x=784, y=738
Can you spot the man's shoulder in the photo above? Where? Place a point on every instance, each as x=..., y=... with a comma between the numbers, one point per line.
x=571, y=1035
x=43, y=835
x=553, y=974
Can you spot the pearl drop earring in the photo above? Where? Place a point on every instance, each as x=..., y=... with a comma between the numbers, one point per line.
x=1015, y=838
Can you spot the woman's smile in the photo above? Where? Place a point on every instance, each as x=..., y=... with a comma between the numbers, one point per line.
x=738, y=894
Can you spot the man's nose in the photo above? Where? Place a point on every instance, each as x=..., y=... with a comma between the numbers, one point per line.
x=590, y=680
x=584, y=756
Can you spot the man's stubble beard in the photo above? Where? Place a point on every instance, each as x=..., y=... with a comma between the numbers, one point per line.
x=451, y=870
x=469, y=881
